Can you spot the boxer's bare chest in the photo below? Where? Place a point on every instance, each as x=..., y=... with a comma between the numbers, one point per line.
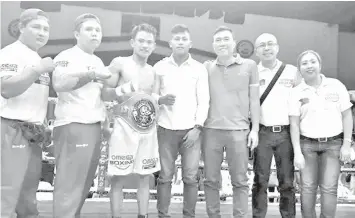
x=144, y=75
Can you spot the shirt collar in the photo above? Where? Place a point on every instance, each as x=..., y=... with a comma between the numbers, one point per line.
x=325, y=82
x=172, y=61
x=236, y=60
x=25, y=47
x=277, y=66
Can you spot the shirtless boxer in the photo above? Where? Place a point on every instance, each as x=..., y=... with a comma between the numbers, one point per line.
x=133, y=146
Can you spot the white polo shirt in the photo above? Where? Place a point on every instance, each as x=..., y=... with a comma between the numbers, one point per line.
x=83, y=105
x=274, y=110
x=320, y=110
x=30, y=106
x=189, y=83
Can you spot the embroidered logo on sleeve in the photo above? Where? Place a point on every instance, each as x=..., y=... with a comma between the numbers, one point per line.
x=304, y=101
x=61, y=63
x=8, y=67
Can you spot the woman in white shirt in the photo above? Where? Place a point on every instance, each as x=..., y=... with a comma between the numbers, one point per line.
x=321, y=124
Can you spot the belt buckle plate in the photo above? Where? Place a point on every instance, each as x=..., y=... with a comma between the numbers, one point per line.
x=325, y=139
x=276, y=129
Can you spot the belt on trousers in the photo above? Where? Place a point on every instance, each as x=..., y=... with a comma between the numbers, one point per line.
x=34, y=133
x=139, y=112
x=275, y=128
x=324, y=139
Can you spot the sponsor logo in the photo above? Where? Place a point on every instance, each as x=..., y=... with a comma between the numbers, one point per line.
x=143, y=113
x=286, y=82
x=121, y=162
x=334, y=97
x=81, y=145
x=243, y=73
x=149, y=163
x=18, y=146
x=62, y=63
x=8, y=67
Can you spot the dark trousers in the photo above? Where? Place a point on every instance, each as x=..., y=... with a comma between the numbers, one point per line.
x=170, y=145
x=77, y=153
x=20, y=173
x=277, y=144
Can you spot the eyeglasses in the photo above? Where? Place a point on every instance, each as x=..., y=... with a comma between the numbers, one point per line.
x=268, y=44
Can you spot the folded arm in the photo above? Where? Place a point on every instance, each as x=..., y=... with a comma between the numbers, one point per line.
x=16, y=84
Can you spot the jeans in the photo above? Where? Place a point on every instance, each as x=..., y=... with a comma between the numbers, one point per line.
x=322, y=169
x=280, y=146
x=170, y=144
x=235, y=143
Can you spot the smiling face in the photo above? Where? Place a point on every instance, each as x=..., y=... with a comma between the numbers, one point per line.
x=89, y=35
x=143, y=44
x=181, y=43
x=223, y=43
x=309, y=66
x=266, y=47
x=35, y=33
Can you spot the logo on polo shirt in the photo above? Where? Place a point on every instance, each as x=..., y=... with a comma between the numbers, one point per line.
x=62, y=63
x=81, y=145
x=286, y=82
x=8, y=67
x=243, y=73
x=334, y=97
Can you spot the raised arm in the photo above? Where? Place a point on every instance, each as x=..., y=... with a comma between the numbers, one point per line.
x=111, y=91
x=68, y=77
x=15, y=81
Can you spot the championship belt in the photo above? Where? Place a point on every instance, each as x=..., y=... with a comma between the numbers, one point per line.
x=139, y=111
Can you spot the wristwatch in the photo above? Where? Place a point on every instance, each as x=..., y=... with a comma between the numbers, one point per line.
x=199, y=127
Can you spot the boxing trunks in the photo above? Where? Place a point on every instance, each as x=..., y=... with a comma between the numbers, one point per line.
x=133, y=145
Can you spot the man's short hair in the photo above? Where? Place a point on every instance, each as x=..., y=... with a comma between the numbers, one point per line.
x=180, y=28
x=83, y=18
x=222, y=28
x=31, y=14
x=144, y=27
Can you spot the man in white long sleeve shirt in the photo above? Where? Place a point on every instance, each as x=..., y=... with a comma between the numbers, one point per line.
x=77, y=129
x=183, y=87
